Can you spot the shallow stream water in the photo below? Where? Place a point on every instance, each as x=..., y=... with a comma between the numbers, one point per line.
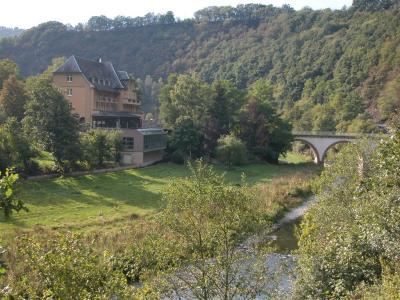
x=285, y=236
x=285, y=240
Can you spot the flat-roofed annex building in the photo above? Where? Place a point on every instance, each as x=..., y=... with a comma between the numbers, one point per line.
x=106, y=98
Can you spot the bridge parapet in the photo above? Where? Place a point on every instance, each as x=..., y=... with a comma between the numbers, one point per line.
x=328, y=134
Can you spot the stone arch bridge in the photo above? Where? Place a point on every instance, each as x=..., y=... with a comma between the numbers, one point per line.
x=321, y=142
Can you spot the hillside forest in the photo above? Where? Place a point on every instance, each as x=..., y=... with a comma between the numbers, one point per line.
x=331, y=70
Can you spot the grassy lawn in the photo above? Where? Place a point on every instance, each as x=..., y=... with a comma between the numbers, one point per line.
x=102, y=201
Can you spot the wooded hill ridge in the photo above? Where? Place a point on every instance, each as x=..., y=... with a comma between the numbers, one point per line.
x=329, y=69
x=9, y=32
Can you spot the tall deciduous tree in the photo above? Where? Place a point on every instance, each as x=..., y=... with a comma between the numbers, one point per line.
x=51, y=124
x=15, y=148
x=222, y=112
x=267, y=135
x=186, y=137
x=184, y=96
x=13, y=98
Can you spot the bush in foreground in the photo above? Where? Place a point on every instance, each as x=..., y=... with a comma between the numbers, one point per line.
x=350, y=238
x=63, y=267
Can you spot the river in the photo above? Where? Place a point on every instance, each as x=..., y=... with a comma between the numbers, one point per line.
x=285, y=240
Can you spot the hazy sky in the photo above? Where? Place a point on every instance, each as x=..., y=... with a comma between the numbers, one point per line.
x=28, y=13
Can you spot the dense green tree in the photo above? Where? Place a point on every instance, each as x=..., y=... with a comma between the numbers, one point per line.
x=267, y=135
x=222, y=112
x=13, y=98
x=51, y=124
x=184, y=96
x=186, y=138
x=15, y=147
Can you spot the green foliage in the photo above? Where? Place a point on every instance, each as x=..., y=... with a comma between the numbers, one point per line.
x=343, y=60
x=265, y=133
x=15, y=148
x=351, y=235
x=184, y=96
x=8, y=68
x=62, y=267
x=205, y=218
x=373, y=5
x=10, y=32
x=50, y=123
x=185, y=138
x=199, y=114
x=8, y=201
x=222, y=112
x=100, y=146
x=178, y=157
x=390, y=98
x=231, y=150
x=13, y=98
x=362, y=124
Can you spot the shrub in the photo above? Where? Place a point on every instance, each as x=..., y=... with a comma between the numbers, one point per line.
x=231, y=150
x=64, y=267
x=177, y=157
x=8, y=202
x=206, y=218
x=350, y=236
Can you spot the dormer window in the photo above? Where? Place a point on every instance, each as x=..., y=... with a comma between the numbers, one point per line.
x=69, y=78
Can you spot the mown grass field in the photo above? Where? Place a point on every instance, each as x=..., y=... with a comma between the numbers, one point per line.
x=103, y=201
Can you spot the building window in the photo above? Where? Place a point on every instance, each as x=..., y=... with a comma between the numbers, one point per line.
x=155, y=141
x=69, y=78
x=128, y=143
x=69, y=92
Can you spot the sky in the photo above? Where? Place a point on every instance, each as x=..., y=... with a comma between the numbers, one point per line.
x=28, y=13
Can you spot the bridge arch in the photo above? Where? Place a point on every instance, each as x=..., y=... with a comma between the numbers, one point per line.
x=333, y=145
x=312, y=147
x=320, y=143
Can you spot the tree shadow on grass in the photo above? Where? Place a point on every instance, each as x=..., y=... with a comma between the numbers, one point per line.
x=111, y=189
x=12, y=220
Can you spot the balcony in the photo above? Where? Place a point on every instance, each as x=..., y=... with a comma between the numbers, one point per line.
x=116, y=120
